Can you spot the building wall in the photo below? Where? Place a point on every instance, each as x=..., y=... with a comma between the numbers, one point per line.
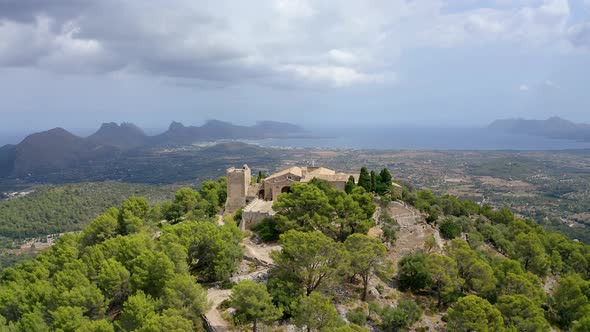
x=273, y=187
x=340, y=185
x=252, y=218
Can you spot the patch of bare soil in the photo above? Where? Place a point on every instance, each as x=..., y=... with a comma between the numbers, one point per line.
x=432, y=321
x=325, y=153
x=413, y=231
x=260, y=252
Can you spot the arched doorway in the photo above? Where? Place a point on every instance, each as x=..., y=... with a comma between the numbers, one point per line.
x=261, y=194
x=286, y=189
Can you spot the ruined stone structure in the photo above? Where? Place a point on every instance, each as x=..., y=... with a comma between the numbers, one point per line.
x=256, y=198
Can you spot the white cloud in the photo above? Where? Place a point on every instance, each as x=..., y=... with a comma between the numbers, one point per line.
x=294, y=8
x=523, y=87
x=336, y=76
x=551, y=84
x=341, y=56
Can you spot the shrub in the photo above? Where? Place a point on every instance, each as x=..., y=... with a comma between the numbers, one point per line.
x=450, y=229
x=357, y=316
x=405, y=314
x=267, y=230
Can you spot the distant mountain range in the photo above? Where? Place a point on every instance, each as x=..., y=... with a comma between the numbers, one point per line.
x=554, y=127
x=58, y=149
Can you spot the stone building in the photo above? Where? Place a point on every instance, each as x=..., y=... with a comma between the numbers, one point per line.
x=238, y=183
x=256, y=198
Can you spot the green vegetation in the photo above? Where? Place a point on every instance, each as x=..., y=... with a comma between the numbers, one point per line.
x=58, y=209
x=130, y=271
x=368, y=257
x=405, y=314
x=253, y=304
x=318, y=206
x=116, y=265
x=316, y=313
x=472, y=313
x=496, y=293
x=376, y=183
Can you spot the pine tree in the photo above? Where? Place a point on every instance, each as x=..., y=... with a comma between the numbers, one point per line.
x=365, y=179
x=253, y=304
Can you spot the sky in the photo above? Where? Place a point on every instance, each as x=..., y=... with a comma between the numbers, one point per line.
x=78, y=63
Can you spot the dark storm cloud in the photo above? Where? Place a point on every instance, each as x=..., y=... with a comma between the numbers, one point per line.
x=143, y=37
x=27, y=10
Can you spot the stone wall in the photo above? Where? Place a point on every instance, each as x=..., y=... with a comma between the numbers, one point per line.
x=255, y=212
x=238, y=181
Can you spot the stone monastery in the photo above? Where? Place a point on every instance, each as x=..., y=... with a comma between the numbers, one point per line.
x=256, y=198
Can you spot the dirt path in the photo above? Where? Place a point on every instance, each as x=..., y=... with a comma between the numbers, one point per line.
x=259, y=252
x=255, y=267
x=215, y=297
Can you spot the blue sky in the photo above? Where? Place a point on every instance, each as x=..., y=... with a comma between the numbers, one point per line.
x=77, y=63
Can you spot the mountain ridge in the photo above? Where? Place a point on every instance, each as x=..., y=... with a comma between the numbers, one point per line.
x=553, y=127
x=58, y=149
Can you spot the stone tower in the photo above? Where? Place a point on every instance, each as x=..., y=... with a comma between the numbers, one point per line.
x=238, y=181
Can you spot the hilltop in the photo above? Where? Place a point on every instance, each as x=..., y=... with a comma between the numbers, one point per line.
x=329, y=260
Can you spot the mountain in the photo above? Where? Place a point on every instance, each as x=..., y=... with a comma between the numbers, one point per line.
x=124, y=136
x=54, y=149
x=177, y=133
x=7, y=156
x=277, y=129
x=554, y=127
x=59, y=150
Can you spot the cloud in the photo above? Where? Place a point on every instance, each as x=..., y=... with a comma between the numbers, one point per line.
x=579, y=35
x=294, y=8
x=234, y=42
x=29, y=10
x=39, y=44
x=551, y=84
x=523, y=87
x=336, y=76
x=341, y=56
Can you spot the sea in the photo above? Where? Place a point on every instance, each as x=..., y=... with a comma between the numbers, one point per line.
x=420, y=139
x=400, y=138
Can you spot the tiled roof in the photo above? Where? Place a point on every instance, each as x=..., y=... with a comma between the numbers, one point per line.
x=291, y=170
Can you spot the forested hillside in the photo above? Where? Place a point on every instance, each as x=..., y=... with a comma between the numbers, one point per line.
x=57, y=209
x=339, y=267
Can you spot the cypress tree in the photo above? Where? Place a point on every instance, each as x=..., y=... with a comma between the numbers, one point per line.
x=383, y=182
x=260, y=177
x=373, y=181
x=349, y=185
x=365, y=179
x=385, y=177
